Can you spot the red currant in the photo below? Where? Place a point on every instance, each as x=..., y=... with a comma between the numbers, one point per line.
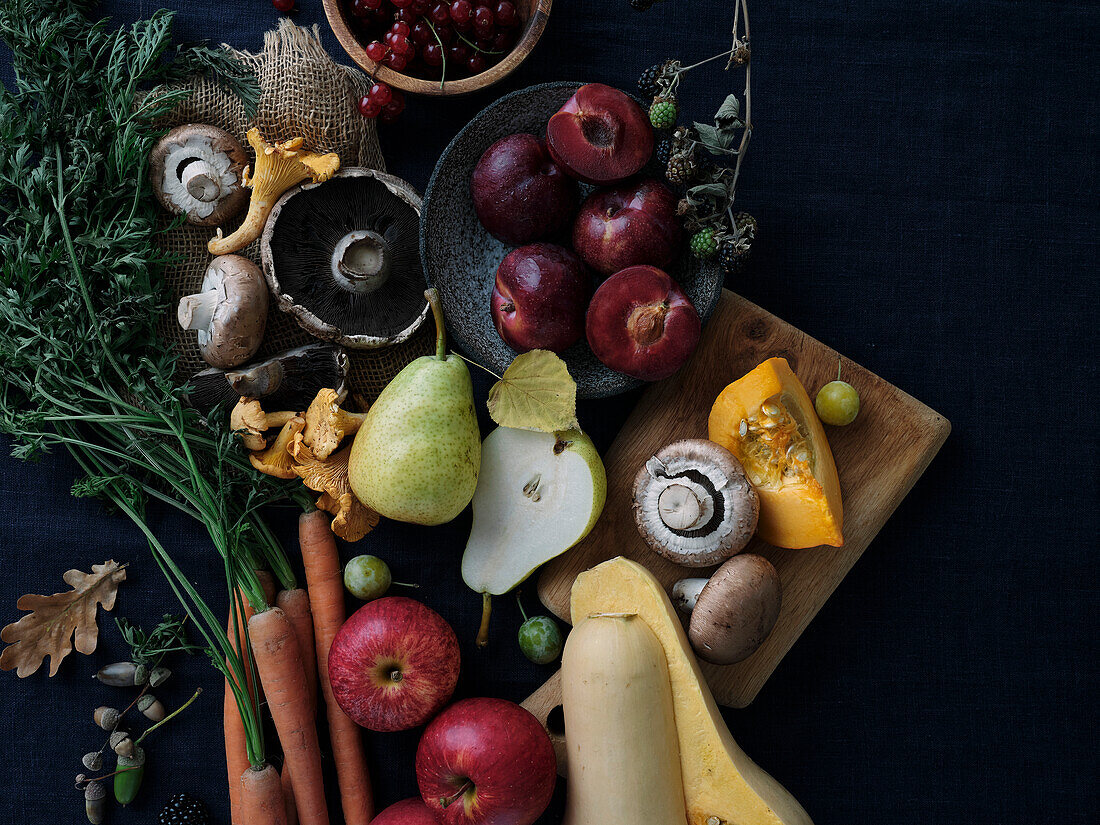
x=401, y=4
x=401, y=28
x=283, y=5
x=407, y=16
x=368, y=108
x=420, y=7
x=396, y=105
x=506, y=14
x=401, y=46
x=503, y=41
x=458, y=53
x=440, y=13
x=421, y=33
x=476, y=64
x=363, y=8
x=381, y=94
x=446, y=34
x=432, y=54
x=376, y=51
x=397, y=62
x=484, y=23
x=462, y=11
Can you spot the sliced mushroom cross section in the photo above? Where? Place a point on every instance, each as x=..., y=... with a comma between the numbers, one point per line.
x=693, y=504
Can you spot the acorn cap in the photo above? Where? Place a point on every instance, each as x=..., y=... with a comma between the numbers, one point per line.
x=343, y=258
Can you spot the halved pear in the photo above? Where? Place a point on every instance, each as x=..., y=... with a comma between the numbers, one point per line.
x=538, y=494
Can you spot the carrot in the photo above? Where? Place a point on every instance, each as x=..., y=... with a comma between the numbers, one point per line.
x=325, y=581
x=295, y=604
x=279, y=663
x=236, y=753
x=261, y=797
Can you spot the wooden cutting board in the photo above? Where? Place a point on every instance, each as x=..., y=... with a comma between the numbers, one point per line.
x=880, y=456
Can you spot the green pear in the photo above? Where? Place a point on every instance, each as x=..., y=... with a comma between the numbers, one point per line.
x=539, y=494
x=417, y=455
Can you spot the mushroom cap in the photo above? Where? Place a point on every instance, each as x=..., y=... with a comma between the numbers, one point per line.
x=693, y=504
x=351, y=518
x=210, y=145
x=289, y=380
x=343, y=258
x=234, y=327
x=327, y=424
x=736, y=610
x=276, y=460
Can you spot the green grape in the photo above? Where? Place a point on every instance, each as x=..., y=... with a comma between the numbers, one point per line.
x=540, y=640
x=837, y=403
x=367, y=577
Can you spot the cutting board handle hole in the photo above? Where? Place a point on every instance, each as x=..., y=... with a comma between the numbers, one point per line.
x=555, y=721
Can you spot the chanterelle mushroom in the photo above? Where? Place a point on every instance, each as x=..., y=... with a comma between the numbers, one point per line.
x=276, y=460
x=197, y=170
x=344, y=258
x=289, y=380
x=732, y=613
x=327, y=424
x=353, y=519
x=693, y=504
x=278, y=167
x=249, y=421
x=229, y=311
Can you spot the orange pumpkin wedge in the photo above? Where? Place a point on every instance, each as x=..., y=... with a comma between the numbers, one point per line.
x=767, y=420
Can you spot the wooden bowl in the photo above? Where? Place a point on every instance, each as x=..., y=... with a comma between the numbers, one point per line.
x=461, y=258
x=534, y=13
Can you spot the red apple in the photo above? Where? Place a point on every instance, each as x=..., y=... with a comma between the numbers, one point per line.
x=641, y=323
x=600, y=135
x=520, y=194
x=410, y=811
x=393, y=664
x=632, y=223
x=540, y=296
x=486, y=762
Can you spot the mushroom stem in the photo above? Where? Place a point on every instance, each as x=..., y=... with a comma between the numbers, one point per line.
x=432, y=296
x=680, y=507
x=685, y=593
x=360, y=263
x=201, y=180
x=197, y=311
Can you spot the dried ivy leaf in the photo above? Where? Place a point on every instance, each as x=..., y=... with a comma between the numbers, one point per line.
x=717, y=140
x=49, y=629
x=536, y=393
x=730, y=110
x=707, y=190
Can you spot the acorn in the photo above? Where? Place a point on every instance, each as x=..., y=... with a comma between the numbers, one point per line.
x=123, y=674
x=151, y=707
x=158, y=676
x=107, y=718
x=121, y=743
x=95, y=802
x=92, y=761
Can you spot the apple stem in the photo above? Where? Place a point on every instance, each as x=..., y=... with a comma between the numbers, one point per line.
x=444, y=801
x=432, y=295
x=486, y=609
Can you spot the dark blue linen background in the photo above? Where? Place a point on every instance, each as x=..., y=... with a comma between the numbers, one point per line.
x=924, y=175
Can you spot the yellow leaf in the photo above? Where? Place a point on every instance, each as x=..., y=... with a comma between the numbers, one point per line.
x=536, y=393
x=54, y=621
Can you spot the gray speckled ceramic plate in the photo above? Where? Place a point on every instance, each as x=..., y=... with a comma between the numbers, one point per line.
x=460, y=258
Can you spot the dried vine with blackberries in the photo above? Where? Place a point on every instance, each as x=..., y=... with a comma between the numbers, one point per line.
x=704, y=159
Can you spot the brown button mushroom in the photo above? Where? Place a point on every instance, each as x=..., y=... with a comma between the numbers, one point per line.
x=229, y=311
x=693, y=504
x=344, y=258
x=732, y=613
x=289, y=380
x=197, y=170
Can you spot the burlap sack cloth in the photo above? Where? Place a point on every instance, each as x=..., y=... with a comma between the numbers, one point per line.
x=303, y=93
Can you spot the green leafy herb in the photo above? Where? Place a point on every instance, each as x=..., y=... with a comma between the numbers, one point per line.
x=82, y=292
x=169, y=636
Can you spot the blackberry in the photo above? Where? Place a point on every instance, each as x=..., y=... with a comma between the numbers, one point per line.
x=734, y=252
x=663, y=112
x=704, y=244
x=184, y=809
x=664, y=151
x=647, y=83
x=641, y=5
x=681, y=168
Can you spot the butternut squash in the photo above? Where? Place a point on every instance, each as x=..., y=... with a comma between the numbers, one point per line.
x=624, y=762
x=722, y=786
x=767, y=420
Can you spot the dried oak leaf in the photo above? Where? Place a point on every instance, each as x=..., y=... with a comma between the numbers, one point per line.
x=49, y=629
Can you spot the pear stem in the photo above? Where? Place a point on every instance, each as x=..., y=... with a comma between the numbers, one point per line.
x=440, y=330
x=486, y=609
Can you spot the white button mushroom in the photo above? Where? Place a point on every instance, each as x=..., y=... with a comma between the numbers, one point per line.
x=733, y=612
x=693, y=504
x=196, y=170
x=229, y=312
